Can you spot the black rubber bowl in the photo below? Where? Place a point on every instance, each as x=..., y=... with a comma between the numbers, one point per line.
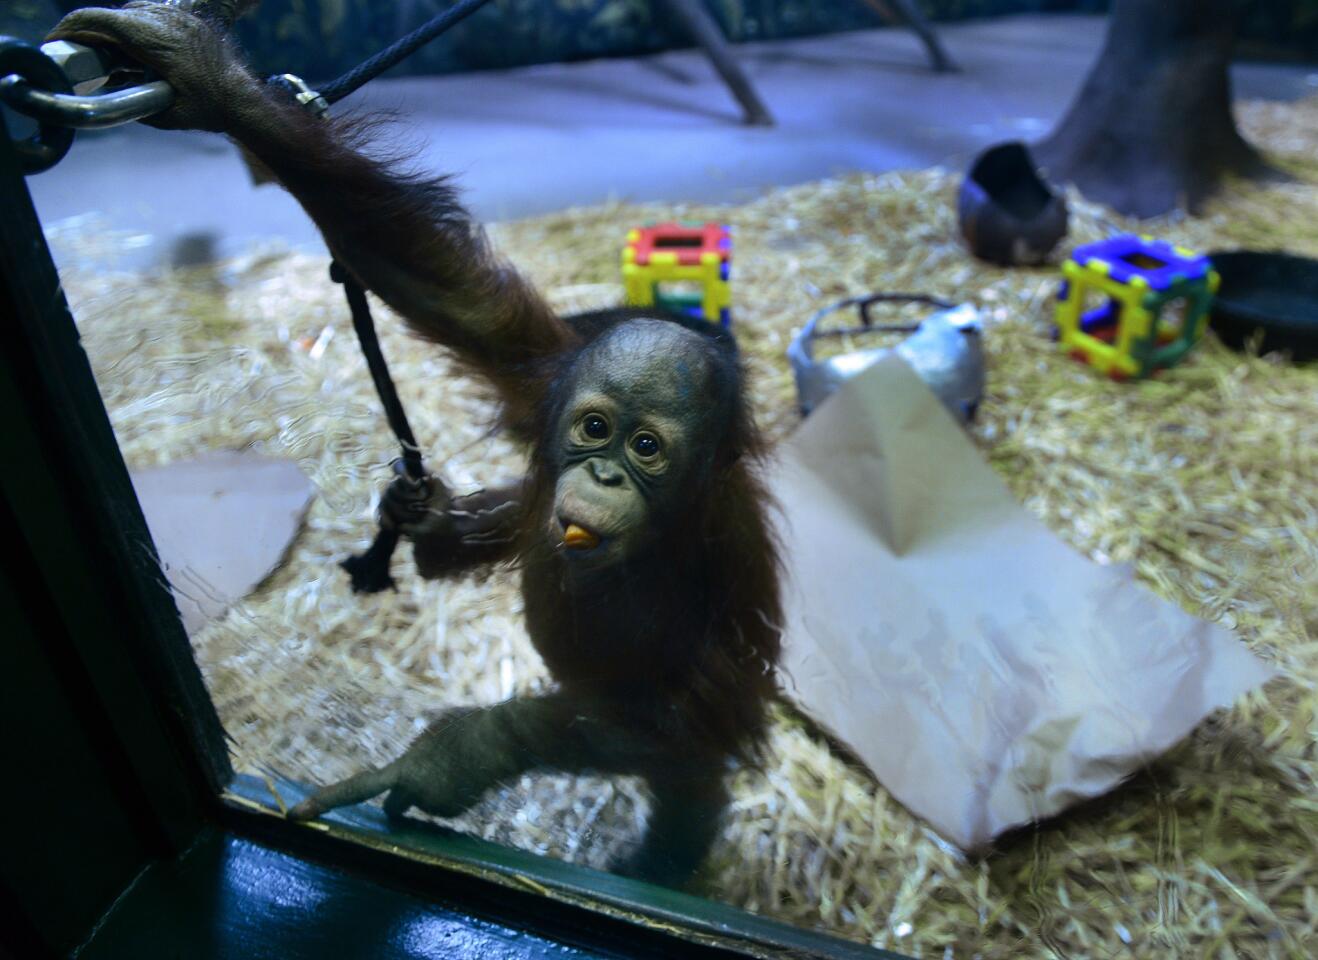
x=1273, y=292
x=1008, y=213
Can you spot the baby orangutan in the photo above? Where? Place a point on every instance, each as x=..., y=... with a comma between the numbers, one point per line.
x=647, y=567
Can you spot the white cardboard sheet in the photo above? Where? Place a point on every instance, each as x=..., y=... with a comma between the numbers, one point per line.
x=988, y=673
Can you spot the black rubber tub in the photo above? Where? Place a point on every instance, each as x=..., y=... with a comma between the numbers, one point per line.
x=1276, y=293
x=1008, y=213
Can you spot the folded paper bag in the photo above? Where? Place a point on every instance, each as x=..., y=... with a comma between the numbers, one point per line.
x=989, y=674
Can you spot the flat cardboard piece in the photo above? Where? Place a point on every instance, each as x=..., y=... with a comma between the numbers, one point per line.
x=988, y=673
x=220, y=523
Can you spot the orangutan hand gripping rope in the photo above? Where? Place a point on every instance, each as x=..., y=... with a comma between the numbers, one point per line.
x=648, y=569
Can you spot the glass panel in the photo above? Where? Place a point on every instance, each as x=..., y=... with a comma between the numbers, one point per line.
x=1025, y=703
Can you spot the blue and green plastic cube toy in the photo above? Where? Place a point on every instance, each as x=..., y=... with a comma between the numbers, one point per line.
x=1130, y=306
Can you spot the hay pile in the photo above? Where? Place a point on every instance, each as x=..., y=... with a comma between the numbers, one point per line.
x=1206, y=480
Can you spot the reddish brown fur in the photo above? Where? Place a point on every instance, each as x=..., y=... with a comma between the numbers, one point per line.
x=392, y=227
x=688, y=636
x=685, y=638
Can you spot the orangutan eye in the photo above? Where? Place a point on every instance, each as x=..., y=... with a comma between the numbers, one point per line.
x=646, y=445
x=595, y=427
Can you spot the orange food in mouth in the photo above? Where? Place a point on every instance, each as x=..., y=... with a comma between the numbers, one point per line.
x=579, y=538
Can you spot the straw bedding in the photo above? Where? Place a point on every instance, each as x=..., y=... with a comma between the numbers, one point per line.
x=1205, y=480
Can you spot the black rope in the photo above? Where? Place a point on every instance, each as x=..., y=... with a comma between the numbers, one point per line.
x=370, y=570
x=364, y=324
x=399, y=50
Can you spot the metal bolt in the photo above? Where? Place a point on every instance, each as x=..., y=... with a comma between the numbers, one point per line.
x=87, y=69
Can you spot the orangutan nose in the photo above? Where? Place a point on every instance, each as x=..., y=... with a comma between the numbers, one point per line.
x=604, y=472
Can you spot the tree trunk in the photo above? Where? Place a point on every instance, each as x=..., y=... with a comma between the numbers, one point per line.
x=704, y=29
x=898, y=10
x=1151, y=129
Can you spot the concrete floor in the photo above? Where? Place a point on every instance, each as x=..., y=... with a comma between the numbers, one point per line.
x=542, y=138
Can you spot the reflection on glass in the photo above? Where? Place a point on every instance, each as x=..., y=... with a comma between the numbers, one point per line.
x=580, y=658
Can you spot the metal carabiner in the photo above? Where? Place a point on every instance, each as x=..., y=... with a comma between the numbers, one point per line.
x=86, y=112
x=51, y=142
x=51, y=85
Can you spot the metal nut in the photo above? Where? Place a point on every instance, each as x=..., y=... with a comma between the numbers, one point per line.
x=86, y=68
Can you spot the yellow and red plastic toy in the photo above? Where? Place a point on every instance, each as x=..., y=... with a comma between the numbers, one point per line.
x=696, y=256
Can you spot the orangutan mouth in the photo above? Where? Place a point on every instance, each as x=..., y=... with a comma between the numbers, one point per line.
x=577, y=537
